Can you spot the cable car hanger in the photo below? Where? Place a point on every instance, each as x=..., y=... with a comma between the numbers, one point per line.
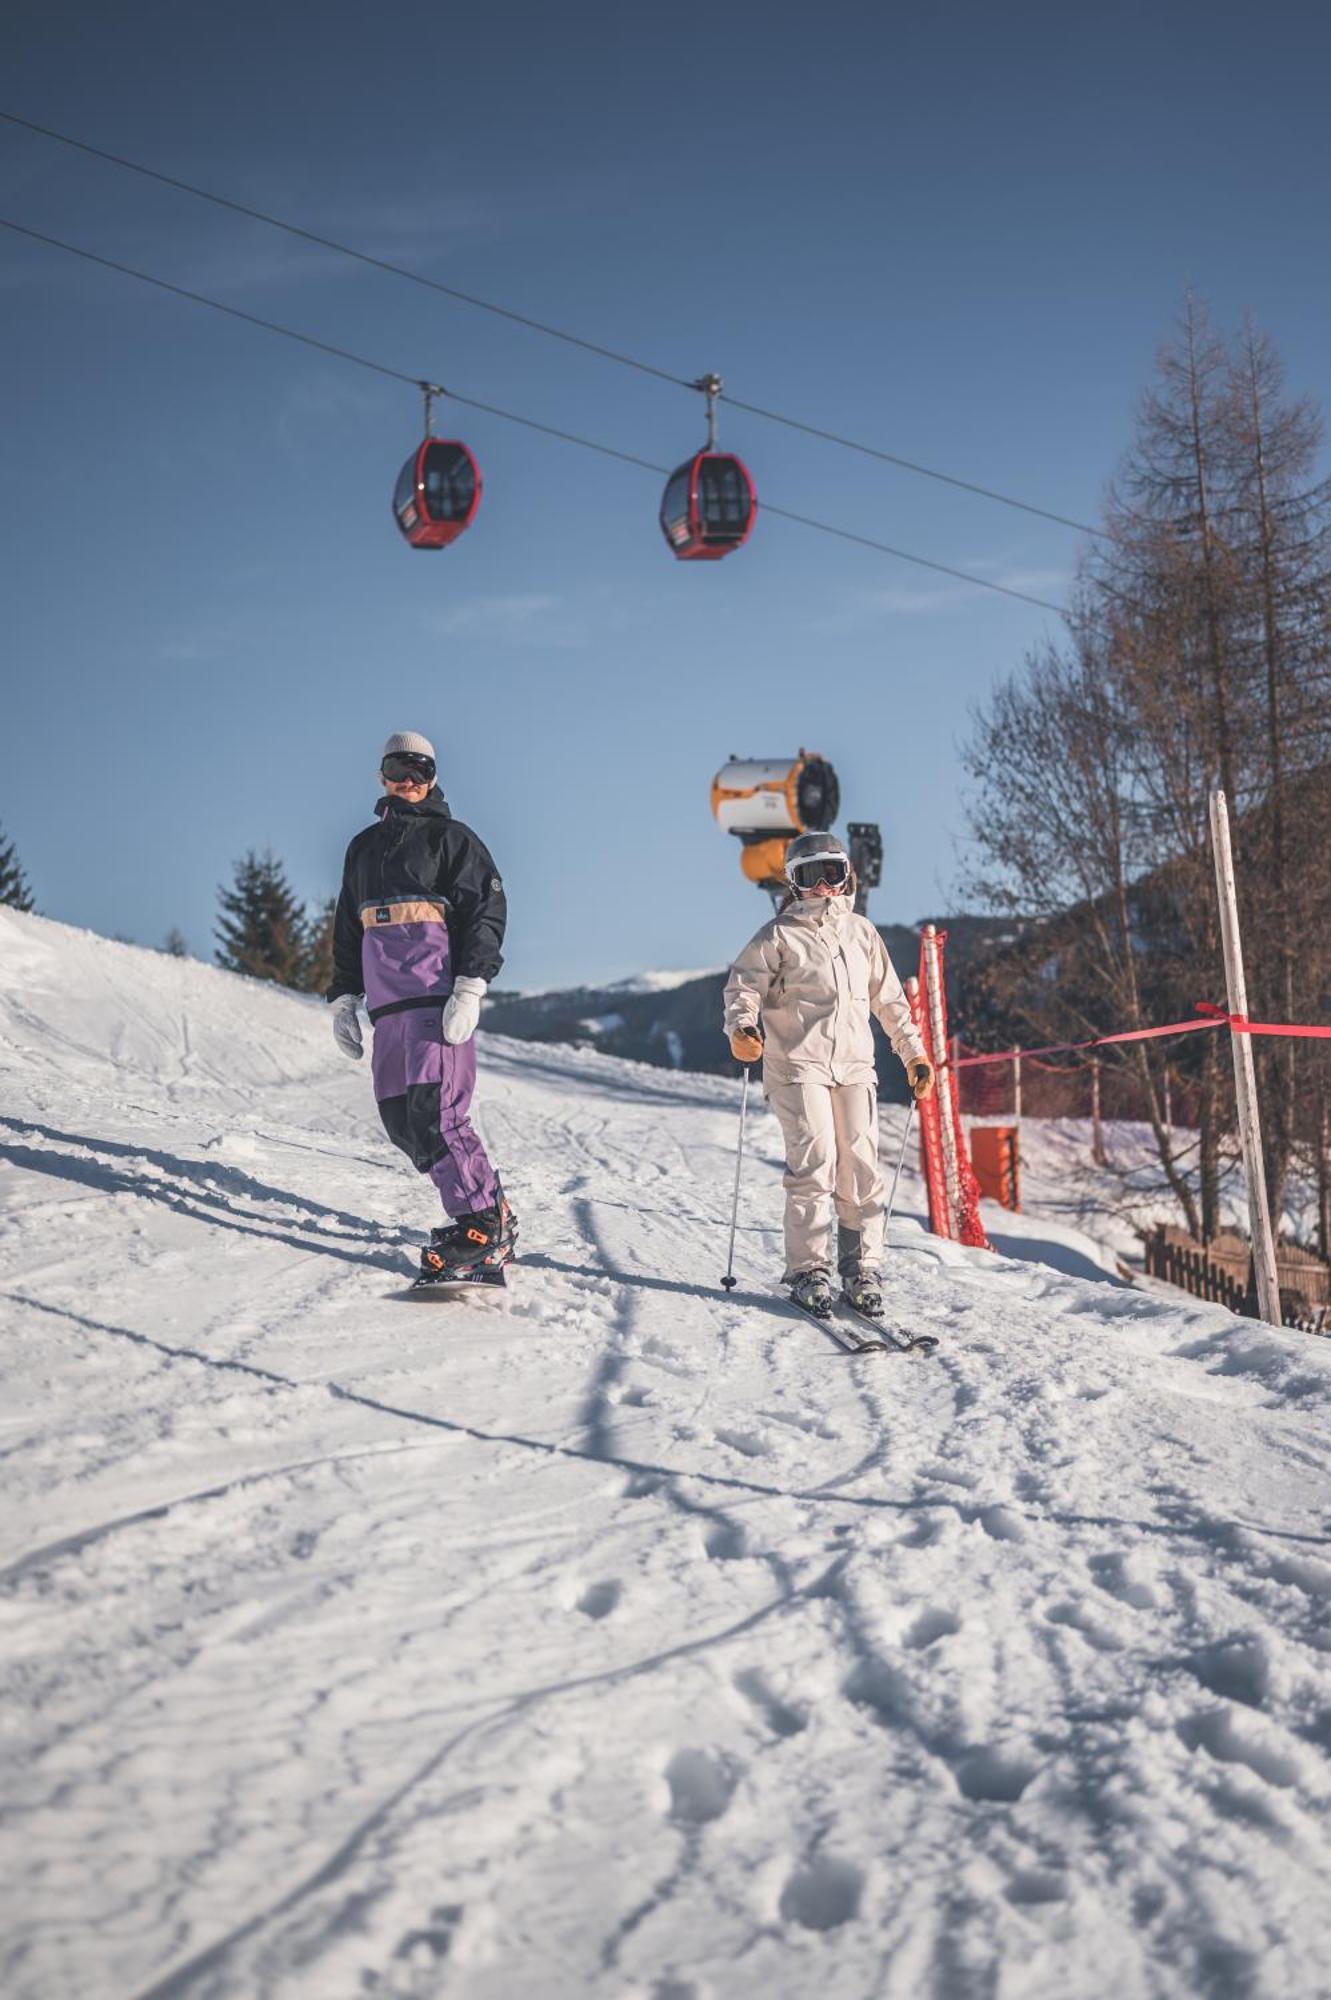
x=711, y=387
x=709, y=505
x=439, y=488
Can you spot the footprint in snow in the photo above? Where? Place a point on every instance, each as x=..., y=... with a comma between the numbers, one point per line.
x=1238, y=1669
x=780, y=1717
x=1081, y=1620
x=1037, y=1885
x=991, y=1776
x=701, y=1786
x=600, y=1599
x=751, y=1443
x=1002, y=1524
x=930, y=1627
x=1218, y=1732
x=430, y=1944
x=822, y=1895
x=1113, y=1574
x=725, y=1541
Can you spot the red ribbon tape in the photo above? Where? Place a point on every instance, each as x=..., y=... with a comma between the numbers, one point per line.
x=1215, y=1017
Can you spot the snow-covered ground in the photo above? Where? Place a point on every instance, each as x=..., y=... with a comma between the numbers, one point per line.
x=609, y=1637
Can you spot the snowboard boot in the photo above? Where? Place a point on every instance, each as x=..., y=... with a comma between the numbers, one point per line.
x=812, y=1292
x=474, y=1245
x=864, y=1294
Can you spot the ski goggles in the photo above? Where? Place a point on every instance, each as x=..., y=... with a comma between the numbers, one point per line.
x=834, y=869
x=407, y=767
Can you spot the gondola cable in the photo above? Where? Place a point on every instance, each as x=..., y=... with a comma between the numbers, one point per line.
x=542, y=327
x=494, y=410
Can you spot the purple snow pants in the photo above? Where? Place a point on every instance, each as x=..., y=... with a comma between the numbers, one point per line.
x=424, y=1089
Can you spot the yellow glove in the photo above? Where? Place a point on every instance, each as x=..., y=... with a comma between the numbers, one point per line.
x=746, y=1045
x=920, y=1076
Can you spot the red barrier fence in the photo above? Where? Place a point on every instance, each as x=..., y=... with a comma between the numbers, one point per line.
x=1015, y=1083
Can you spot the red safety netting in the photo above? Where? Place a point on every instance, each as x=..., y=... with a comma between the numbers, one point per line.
x=1023, y=1086
x=955, y=1204
x=931, y=1126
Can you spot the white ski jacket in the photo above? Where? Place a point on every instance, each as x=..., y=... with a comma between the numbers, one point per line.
x=815, y=974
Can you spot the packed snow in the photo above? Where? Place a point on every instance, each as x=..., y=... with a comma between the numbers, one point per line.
x=609, y=1636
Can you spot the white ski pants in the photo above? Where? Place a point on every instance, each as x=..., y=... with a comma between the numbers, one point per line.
x=835, y=1195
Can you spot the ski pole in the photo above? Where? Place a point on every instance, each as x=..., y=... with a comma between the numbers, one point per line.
x=729, y=1282
x=901, y=1161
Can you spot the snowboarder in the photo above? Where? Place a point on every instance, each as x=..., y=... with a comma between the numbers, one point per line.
x=419, y=925
x=800, y=996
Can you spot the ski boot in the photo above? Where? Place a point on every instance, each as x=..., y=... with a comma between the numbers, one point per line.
x=472, y=1250
x=812, y=1293
x=864, y=1294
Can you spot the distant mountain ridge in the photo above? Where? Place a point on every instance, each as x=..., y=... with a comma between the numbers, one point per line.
x=674, y=1021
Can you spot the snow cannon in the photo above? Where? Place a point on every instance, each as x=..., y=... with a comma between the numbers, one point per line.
x=765, y=802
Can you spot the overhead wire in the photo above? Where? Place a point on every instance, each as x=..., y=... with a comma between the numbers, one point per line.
x=542, y=327
x=494, y=410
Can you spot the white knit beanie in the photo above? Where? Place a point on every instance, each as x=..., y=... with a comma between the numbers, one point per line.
x=407, y=742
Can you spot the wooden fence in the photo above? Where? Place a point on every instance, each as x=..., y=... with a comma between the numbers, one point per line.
x=1221, y=1271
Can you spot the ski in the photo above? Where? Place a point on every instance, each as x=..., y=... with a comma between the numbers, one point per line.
x=891, y=1337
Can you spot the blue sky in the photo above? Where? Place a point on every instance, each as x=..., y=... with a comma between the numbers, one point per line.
x=958, y=233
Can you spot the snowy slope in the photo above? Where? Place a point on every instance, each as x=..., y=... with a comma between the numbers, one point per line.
x=608, y=1637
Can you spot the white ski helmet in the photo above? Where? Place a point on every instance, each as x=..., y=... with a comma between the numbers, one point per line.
x=817, y=857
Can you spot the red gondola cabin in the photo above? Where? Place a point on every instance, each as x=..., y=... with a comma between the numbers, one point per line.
x=709, y=507
x=438, y=491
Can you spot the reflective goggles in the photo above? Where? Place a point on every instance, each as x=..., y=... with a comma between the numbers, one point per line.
x=407, y=767
x=834, y=869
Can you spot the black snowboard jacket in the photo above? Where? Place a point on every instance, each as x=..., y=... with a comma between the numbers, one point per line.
x=417, y=854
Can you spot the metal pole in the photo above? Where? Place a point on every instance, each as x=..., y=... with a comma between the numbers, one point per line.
x=1245, y=1075
x=901, y=1161
x=729, y=1282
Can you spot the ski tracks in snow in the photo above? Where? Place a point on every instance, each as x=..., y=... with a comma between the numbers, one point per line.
x=609, y=1636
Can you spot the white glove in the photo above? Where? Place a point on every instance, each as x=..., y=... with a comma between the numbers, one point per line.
x=346, y=1026
x=463, y=1010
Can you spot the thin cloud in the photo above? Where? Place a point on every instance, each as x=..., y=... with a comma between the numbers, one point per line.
x=535, y=619
x=518, y=618
x=865, y=607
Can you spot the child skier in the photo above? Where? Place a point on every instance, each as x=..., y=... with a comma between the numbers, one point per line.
x=812, y=977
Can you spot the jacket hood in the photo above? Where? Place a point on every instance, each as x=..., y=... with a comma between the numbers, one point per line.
x=434, y=804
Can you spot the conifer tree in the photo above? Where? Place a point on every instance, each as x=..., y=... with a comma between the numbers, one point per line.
x=174, y=943
x=15, y=893
x=1198, y=654
x=317, y=969
x=261, y=928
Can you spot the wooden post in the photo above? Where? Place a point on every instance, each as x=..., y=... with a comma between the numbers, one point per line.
x=1245, y=1075
x=1324, y=1175
x=1098, y=1153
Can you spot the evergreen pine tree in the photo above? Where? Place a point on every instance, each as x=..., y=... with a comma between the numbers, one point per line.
x=14, y=890
x=261, y=929
x=174, y=944
x=317, y=970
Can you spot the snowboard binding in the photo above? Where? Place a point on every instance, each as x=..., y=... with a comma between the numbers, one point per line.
x=474, y=1250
